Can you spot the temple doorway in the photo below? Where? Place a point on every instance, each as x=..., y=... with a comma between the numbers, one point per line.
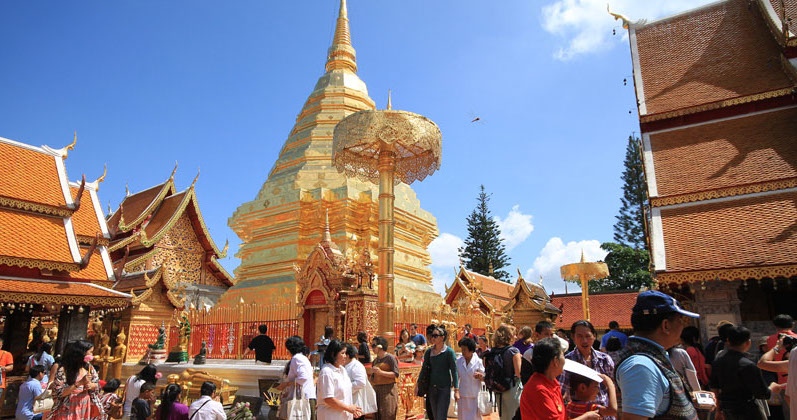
x=316, y=317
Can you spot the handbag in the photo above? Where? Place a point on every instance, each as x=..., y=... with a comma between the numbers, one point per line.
x=286, y=396
x=43, y=402
x=424, y=376
x=299, y=407
x=369, y=404
x=485, y=405
x=452, y=407
x=116, y=411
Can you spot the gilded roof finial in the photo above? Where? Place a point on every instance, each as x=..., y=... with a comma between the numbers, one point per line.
x=491, y=268
x=195, y=178
x=327, y=234
x=223, y=253
x=582, y=255
x=71, y=146
x=127, y=190
x=341, y=55
x=389, y=99
x=519, y=276
x=96, y=183
x=617, y=16
x=109, y=207
x=540, y=280
x=174, y=171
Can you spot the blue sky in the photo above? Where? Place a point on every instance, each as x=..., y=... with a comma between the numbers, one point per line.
x=218, y=85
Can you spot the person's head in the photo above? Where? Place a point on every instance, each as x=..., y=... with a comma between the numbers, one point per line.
x=614, y=325
x=263, y=328
x=379, y=344
x=45, y=348
x=430, y=329
x=739, y=338
x=208, y=388
x=562, y=333
x=169, y=395
x=111, y=386
x=525, y=334
x=548, y=357
x=413, y=328
x=147, y=391
x=583, y=333
x=467, y=346
x=351, y=352
x=613, y=344
x=658, y=317
x=502, y=336
x=77, y=354
x=439, y=336
x=362, y=337
x=419, y=351
x=468, y=327
x=294, y=345
x=690, y=336
x=583, y=388
x=783, y=322
x=335, y=353
x=543, y=329
x=483, y=342
x=404, y=335
x=328, y=332
x=37, y=372
x=148, y=373
x=723, y=328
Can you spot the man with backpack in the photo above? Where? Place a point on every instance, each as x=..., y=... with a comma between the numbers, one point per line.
x=502, y=372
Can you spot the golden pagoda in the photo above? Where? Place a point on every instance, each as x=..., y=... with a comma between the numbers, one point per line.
x=282, y=225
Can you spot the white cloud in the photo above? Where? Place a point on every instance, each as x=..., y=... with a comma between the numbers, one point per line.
x=555, y=254
x=515, y=228
x=444, y=251
x=441, y=279
x=585, y=26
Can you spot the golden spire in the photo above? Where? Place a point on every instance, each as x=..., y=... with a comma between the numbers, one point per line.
x=341, y=55
x=327, y=235
x=389, y=99
x=582, y=255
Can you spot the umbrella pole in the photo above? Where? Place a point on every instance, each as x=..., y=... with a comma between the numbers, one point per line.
x=585, y=296
x=386, y=167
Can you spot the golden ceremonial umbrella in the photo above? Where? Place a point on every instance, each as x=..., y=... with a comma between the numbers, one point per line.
x=386, y=146
x=582, y=272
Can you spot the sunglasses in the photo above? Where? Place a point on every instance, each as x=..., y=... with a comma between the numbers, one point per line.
x=436, y=335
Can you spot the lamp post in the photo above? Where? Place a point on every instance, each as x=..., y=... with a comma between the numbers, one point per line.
x=386, y=146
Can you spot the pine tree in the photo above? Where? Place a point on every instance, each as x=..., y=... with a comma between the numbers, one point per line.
x=484, y=246
x=630, y=227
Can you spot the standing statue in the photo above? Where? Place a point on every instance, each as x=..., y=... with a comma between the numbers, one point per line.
x=118, y=357
x=104, y=355
x=179, y=353
x=95, y=335
x=201, y=357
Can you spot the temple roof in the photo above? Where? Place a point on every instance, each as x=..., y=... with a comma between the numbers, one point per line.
x=755, y=149
x=134, y=208
x=495, y=291
x=754, y=231
x=536, y=294
x=604, y=307
x=36, y=240
x=720, y=52
x=38, y=291
x=33, y=178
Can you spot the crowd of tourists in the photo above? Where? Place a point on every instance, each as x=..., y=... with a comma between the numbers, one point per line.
x=661, y=371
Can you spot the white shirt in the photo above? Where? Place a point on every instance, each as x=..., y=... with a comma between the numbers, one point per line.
x=131, y=393
x=333, y=382
x=211, y=410
x=791, y=385
x=357, y=374
x=301, y=372
x=469, y=386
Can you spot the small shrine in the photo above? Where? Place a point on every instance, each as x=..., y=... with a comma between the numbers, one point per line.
x=530, y=304
x=473, y=290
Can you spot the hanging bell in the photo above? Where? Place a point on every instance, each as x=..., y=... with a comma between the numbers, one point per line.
x=80, y=309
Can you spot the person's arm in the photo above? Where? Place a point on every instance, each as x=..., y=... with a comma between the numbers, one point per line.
x=452, y=367
x=768, y=362
x=611, y=410
x=517, y=360
x=339, y=405
x=590, y=415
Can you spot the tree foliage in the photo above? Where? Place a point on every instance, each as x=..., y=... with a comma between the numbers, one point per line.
x=483, y=245
x=628, y=269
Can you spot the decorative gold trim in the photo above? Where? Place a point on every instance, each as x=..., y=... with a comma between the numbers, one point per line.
x=47, y=265
x=141, y=258
x=756, y=273
x=205, y=231
x=46, y=299
x=168, y=187
x=140, y=298
x=716, y=105
x=175, y=299
x=123, y=242
x=151, y=281
x=88, y=240
x=148, y=242
x=724, y=192
x=35, y=207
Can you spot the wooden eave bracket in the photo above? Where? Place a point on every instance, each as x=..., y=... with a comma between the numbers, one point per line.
x=84, y=262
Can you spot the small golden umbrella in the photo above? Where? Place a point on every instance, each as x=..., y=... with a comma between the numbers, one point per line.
x=386, y=146
x=582, y=272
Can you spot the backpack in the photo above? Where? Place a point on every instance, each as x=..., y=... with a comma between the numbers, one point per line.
x=495, y=377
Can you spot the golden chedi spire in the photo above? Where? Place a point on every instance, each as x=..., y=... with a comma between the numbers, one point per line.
x=341, y=55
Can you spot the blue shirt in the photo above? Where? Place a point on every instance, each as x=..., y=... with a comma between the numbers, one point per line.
x=418, y=339
x=46, y=361
x=645, y=389
x=27, y=393
x=612, y=333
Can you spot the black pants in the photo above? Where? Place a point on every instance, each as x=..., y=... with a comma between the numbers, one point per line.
x=746, y=412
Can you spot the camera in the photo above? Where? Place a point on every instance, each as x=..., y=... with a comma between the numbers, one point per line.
x=788, y=342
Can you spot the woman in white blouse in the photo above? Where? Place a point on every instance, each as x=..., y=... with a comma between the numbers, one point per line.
x=300, y=371
x=334, y=386
x=471, y=373
x=358, y=376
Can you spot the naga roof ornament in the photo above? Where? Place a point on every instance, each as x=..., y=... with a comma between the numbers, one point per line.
x=69, y=147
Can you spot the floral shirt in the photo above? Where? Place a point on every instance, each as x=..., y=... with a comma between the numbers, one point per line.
x=601, y=363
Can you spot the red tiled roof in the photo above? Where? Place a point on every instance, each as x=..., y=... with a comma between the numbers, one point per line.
x=34, y=237
x=791, y=11
x=492, y=287
x=165, y=212
x=84, y=221
x=757, y=148
x=136, y=204
x=715, y=53
x=95, y=271
x=603, y=308
x=30, y=175
x=753, y=231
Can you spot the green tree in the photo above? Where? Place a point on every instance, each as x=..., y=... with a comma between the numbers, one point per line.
x=483, y=246
x=628, y=259
x=629, y=229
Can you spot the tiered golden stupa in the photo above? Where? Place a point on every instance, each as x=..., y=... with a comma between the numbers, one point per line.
x=282, y=225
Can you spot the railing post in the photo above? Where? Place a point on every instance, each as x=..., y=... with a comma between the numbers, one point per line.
x=240, y=334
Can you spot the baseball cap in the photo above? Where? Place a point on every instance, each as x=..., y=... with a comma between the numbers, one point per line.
x=652, y=302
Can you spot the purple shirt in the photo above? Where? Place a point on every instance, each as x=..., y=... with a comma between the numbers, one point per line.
x=178, y=412
x=522, y=347
x=601, y=363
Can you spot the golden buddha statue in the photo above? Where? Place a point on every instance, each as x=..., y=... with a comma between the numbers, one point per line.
x=104, y=354
x=118, y=356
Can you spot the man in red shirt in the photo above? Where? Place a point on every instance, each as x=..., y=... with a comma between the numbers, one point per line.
x=542, y=395
x=6, y=365
x=784, y=324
